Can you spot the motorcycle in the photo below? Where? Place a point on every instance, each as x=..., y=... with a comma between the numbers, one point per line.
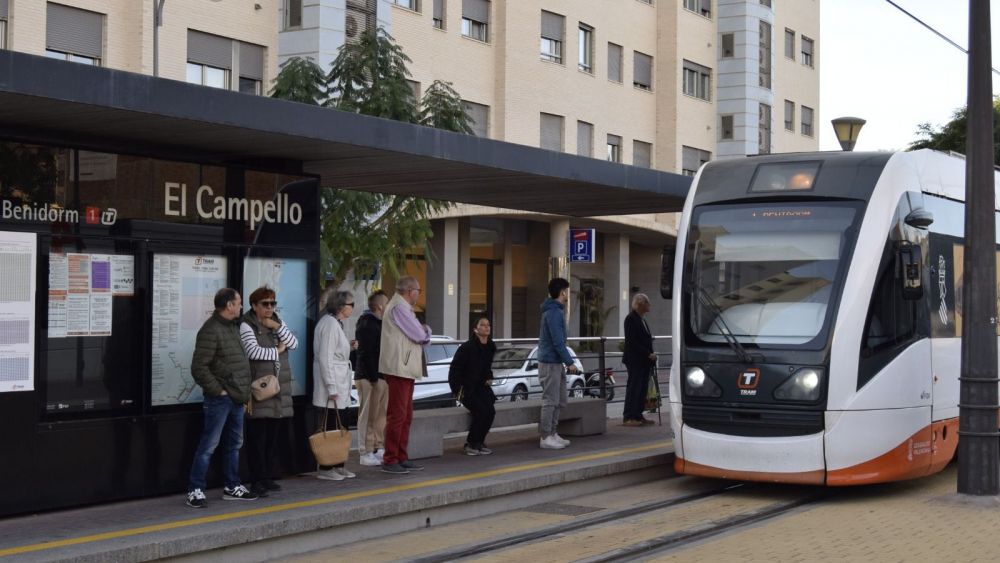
x=593, y=382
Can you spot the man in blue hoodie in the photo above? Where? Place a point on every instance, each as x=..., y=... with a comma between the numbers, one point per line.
x=553, y=363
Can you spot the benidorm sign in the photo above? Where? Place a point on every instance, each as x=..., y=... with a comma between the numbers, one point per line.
x=210, y=206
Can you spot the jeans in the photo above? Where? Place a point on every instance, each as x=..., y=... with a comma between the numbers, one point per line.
x=635, y=391
x=552, y=378
x=222, y=416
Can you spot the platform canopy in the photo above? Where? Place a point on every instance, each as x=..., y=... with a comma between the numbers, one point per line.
x=59, y=102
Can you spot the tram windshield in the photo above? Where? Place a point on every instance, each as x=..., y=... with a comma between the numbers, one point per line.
x=765, y=273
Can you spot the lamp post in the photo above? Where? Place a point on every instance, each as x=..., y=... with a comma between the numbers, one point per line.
x=847, y=130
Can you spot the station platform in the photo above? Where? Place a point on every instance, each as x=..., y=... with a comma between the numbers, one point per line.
x=310, y=514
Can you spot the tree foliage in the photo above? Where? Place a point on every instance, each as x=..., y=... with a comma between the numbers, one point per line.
x=300, y=80
x=363, y=231
x=951, y=136
x=442, y=108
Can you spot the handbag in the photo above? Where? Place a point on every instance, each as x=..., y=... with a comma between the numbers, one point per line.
x=263, y=388
x=330, y=447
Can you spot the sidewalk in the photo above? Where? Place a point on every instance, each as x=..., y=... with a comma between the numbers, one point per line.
x=346, y=510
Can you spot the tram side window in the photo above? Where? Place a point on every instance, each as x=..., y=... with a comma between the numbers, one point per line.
x=891, y=319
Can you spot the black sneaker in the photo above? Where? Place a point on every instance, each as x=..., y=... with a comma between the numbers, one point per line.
x=196, y=499
x=270, y=485
x=410, y=466
x=259, y=489
x=395, y=469
x=239, y=492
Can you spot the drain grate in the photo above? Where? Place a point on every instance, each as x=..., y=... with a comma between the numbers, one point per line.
x=562, y=509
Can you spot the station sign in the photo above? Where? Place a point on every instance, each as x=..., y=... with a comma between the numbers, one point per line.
x=581, y=246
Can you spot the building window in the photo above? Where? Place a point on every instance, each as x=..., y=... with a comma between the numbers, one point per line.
x=642, y=154
x=728, y=45
x=697, y=80
x=250, y=86
x=251, y=69
x=765, y=3
x=358, y=18
x=208, y=75
x=438, y=14
x=789, y=115
x=615, y=63
x=692, y=159
x=765, y=55
x=586, y=48
x=551, y=132
x=293, y=14
x=408, y=4
x=807, y=51
x=789, y=44
x=642, y=71
x=476, y=19
x=553, y=37
x=807, y=121
x=414, y=89
x=701, y=7
x=73, y=34
x=726, y=128
x=584, y=139
x=764, y=129
x=614, y=148
x=479, y=114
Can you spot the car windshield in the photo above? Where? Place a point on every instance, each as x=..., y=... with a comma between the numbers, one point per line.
x=765, y=273
x=510, y=358
x=439, y=352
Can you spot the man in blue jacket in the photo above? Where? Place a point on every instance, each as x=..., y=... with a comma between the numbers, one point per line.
x=553, y=363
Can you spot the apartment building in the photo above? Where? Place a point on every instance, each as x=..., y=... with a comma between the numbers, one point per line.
x=220, y=43
x=667, y=84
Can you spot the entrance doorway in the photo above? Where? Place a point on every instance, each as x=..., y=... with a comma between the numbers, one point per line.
x=481, y=290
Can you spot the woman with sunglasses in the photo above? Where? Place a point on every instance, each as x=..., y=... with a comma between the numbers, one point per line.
x=266, y=341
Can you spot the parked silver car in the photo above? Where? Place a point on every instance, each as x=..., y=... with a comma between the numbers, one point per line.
x=515, y=373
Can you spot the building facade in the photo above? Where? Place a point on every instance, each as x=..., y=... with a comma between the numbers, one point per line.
x=667, y=84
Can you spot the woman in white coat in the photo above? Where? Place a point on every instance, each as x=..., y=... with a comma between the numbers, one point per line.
x=332, y=373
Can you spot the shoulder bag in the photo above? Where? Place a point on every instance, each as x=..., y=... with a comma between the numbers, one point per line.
x=330, y=447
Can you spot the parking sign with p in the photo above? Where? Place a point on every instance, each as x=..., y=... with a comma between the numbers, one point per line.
x=581, y=246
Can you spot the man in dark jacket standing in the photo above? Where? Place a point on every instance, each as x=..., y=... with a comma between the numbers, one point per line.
x=554, y=361
x=373, y=391
x=639, y=359
x=221, y=368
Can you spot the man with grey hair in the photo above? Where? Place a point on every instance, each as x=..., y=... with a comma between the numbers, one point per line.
x=639, y=358
x=401, y=361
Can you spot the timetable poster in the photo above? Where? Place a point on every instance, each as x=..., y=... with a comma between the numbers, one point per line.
x=58, y=290
x=18, y=253
x=80, y=294
x=184, y=290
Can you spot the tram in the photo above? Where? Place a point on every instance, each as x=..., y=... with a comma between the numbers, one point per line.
x=817, y=302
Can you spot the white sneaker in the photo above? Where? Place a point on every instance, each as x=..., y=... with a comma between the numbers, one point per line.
x=329, y=474
x=379, y=454
x=550, y=443
x=561, y=440
x=344, y=472
x=370, y=460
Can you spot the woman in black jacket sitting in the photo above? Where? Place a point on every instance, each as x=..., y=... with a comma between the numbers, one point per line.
x=470, y=377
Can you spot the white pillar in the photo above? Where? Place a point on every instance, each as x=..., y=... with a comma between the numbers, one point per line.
x=616, y=282
x=464, y=284
x=441, y=289
x=503, y=284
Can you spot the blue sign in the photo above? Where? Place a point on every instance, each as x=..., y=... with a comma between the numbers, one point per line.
x=581, y=245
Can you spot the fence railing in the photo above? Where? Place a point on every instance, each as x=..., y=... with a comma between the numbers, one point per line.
x=603, y=374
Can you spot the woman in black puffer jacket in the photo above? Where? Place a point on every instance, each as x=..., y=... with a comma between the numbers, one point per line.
x=471, y=377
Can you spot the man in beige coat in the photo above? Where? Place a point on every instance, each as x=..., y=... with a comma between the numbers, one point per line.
x=402, y=363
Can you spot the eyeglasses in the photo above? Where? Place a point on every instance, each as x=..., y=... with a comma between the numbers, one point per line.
x=349, y=304
x=417, y=289
x=268, y=303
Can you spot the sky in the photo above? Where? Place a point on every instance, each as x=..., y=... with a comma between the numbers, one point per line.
x=878, y=64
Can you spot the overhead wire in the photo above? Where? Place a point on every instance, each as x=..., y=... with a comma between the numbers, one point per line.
x=934, y=31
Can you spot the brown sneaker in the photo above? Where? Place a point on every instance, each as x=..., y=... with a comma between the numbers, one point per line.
x=632, y=423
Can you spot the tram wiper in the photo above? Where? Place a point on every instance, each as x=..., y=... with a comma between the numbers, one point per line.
x=706, y=300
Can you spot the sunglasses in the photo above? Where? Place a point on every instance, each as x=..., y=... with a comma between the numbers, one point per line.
x=268, y=303
x=349, y=304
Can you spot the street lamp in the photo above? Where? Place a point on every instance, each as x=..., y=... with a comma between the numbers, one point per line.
x=847, y=130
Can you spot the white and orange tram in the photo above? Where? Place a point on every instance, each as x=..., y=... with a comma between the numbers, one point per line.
x=817, y=318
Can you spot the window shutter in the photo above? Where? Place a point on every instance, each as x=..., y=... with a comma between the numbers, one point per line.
x=3, y=9
x=72, y=30
x=210, y=50
x=480, y=115
x=642, y=68
x=641, y=154
x=807, y=46
x=551, y=134
x=251, y=61
x=438, y=10
x=690, y=159
x=553, y=26
x=584, y=138
x=476, y=10
x=614, y=62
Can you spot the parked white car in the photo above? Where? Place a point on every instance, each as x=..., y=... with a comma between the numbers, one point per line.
x=434, y=389
x=515, y=373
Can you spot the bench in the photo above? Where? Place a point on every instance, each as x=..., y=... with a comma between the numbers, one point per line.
x=580, y=417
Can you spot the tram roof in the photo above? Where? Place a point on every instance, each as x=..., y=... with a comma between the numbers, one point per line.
x=58, y=102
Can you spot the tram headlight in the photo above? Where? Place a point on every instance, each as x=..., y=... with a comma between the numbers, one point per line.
x=803, y=385
x=698, y=384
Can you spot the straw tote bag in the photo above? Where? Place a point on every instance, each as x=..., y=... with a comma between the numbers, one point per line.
x=330, y=447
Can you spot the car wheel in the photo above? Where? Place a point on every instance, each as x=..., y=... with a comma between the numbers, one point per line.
x=520, y=393
x=576, y=390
